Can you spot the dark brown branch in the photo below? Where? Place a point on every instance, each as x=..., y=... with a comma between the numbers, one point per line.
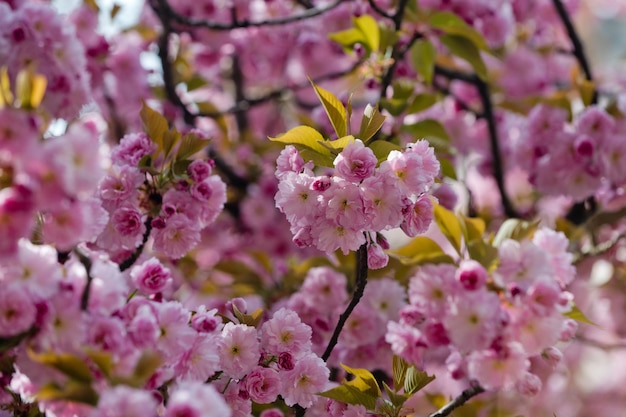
x=579, y=50
x=485, y=97
x=189, y=22
x=361, y=281
x=233, y=178
x=465, y=396
x=379, y=10
x=396, y=53
x=582, y=210
x=130, y=261
x=84, y=259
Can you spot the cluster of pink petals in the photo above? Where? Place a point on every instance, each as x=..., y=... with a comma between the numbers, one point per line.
x=346, y=209
x=490, y=325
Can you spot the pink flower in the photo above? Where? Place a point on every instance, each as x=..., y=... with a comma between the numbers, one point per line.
x=272, y=412
x=178, y=237
x=196, y=399
x=345, y=205
x=332, y=236
x=406, y=342
x=382, y=202
x=418, y=217
x=308, y=377
x=199, y=170
x=17, y=310
x=471, y=275
x=151, y=276
x=263, y=385
x=239, y=349
x=122, y=400
x=376, y=257
x=385, y=296
x=473, y=320
x=289, y=160
x=430, y=288
x=355, y=162
x=285, y=332
x=132, y=148
x=200, y=361
x=498, y=370
x=206, y=321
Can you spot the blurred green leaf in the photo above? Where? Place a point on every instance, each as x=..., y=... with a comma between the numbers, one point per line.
x=450, y=226
x=368, y=26
x=154, y=124
x=71, y=391
x=422, y=102
x=453, y=24
x=423, y=55
x=420, y=250
x=66, y=363
x=382, y=148
x=579, y=316
x=466, y=50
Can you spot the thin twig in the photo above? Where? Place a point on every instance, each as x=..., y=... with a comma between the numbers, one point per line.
x=361, y=281
x=485, y=97
x=379, y=10
x=582, y=210
x=472, y=391
x=130, y=261
x=86, y=261
x=579, y=50
x=396, y=56
x=307, y=14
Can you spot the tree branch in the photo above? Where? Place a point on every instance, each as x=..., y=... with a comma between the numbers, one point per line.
x=579, y=50
x=580, y=211
x=379, y=10
x=485, y=96
x=307, y=14
x=361, y=281
x=465, y=396
x=84, y=259
x=130, y=261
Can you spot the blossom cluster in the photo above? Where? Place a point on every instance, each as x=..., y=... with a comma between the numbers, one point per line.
x=245, y=364
x=175, y=209
x=490, y=324
x=576, y=159
x=345, y=208
x=323, y=297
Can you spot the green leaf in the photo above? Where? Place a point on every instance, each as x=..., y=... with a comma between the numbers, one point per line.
x=154, y=124
x=416, y=380
x=170, y=140
x=317, y=158
x=363, y=380
x=395, y=106
x=452, y=24
x=399, y=367
x=103, y=360
x=334, y=109
x=396, y=399
x=66, y=363
x=578, y=315
x=368, y=26
x=371, y=123
x=350, y=395
x=338, y=144
x=420, y=250
x=190, y=145
x=473, y=228
x=348, y=38
x=423, y=55
x=450, y=226
x=71, y=391
x=483, y=253
x=515, y=229
x=30, y=88
x=428, y=129
x=447, y=168
x=382, y=148
x=305, y=136
x=422, y=102
x=465, y=49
